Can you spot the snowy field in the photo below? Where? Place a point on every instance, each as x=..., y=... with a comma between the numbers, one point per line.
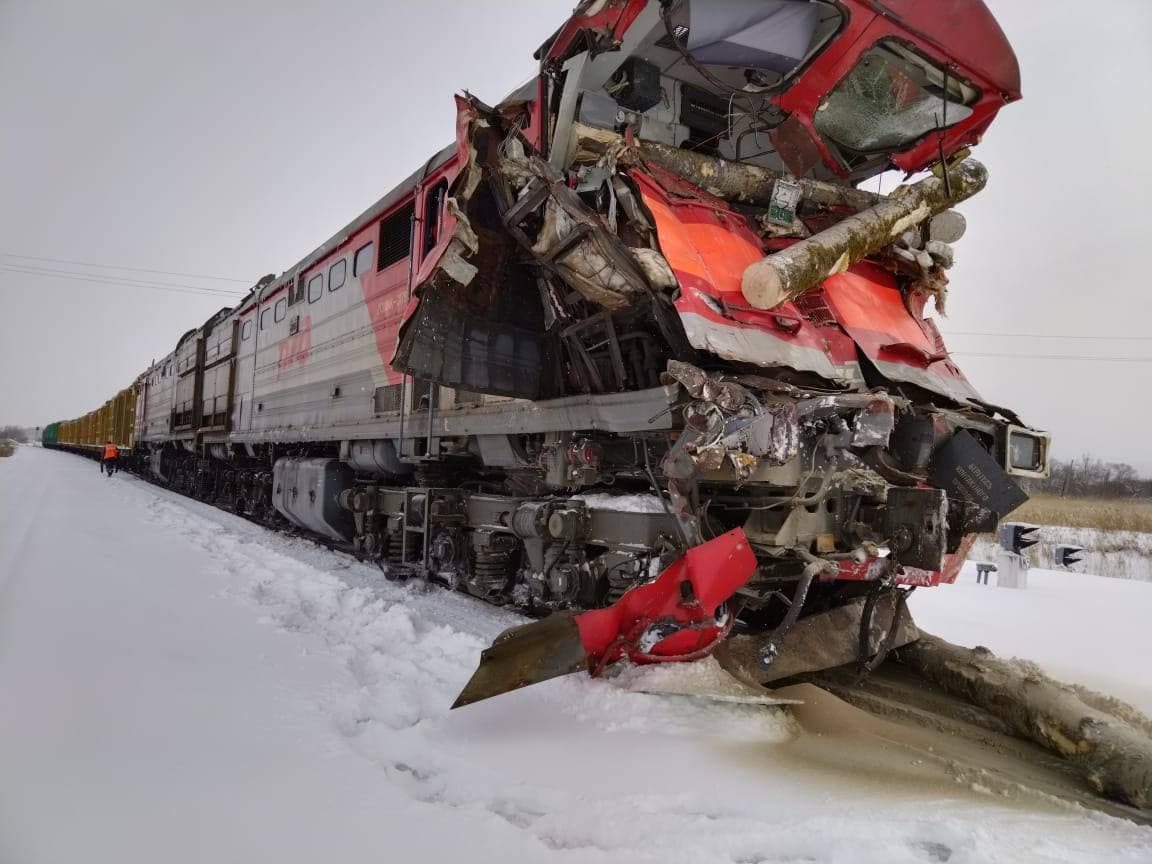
x=1118, y=554
x=178, y=685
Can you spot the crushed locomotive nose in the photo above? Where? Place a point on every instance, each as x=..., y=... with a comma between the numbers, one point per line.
x=677, y=617
x=636, y=354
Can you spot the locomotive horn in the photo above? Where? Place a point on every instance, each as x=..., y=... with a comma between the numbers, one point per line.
x=681, y=615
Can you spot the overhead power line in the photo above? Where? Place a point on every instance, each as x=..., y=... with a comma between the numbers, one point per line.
x=125, y=267
x=1024, y=356
x=112, y=279
x=1102, y=337
x=100, y=279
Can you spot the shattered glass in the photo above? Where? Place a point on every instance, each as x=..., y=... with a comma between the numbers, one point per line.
x=881, y=106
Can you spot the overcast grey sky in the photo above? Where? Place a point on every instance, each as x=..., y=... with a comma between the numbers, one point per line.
x=229, y=139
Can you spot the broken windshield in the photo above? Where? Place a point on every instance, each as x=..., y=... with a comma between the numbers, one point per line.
x=890, y=99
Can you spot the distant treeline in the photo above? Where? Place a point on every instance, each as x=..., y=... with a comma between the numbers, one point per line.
x=1088, y=477
x=16, y=433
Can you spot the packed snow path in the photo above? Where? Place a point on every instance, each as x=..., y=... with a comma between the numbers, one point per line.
x=179, y=685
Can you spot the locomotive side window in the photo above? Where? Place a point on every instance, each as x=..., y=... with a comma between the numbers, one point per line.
x=363, y=260
x=246, y=330
x=337, y=273
x=433, y=212
x=396, y=236
x=264, y=318
x=315, y=287
x=281, y=309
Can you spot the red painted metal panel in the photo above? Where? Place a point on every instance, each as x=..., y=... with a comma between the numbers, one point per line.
x=684, y=599
x=959, y=34
x=595, y=24
x=964, y=29
x=708, y=247
x=870, y=307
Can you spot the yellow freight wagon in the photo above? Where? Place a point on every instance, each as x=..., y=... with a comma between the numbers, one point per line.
x=114, y=421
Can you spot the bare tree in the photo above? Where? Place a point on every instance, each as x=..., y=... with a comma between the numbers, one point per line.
x=1089, y=477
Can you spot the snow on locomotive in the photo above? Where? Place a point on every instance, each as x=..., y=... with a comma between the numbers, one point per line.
x=640, y=308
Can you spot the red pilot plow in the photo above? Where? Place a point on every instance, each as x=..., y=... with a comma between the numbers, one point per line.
x=681, y=615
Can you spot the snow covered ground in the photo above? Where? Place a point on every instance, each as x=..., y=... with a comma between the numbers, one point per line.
x=178, y=685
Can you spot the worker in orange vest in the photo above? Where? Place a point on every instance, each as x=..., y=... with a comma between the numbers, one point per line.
x=111, y=458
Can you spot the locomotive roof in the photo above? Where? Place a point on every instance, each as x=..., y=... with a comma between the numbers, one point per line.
x=378, y=209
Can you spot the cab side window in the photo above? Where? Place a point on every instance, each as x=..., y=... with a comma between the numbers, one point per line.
x=337, y=273
x=315, y=287
x=362, y=263
x=433, y=212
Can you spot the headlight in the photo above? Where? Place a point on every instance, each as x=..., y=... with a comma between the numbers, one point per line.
x=1025, y=452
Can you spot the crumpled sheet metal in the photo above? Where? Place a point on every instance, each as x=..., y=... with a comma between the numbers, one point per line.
x=586, y=266
x=463, y=245
x=874, y=424
x=727, y=394
x=574, y=241
x=726, y=423
x=772, y=434
x=579, y=246
x=729, y=423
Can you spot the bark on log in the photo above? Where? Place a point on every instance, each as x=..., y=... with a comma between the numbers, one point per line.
x=1111, y=751
x=748, y=184
x=790, y=272
x=823, y=640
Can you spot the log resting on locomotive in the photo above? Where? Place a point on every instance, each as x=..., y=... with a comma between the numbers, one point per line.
x=639, y=341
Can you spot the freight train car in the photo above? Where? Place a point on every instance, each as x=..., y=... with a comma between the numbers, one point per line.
x=640, y=307
x=113, y=421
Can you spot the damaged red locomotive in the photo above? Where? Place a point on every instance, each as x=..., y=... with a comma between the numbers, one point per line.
x=641, y=318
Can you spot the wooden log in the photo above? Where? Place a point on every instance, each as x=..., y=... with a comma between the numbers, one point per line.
x=822, y=640
x=787, y=274
x=748, y=184
x=1112, y=749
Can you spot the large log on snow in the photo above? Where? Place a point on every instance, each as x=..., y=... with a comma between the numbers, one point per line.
x=1109, y=743
x=790, y=272
x=748, y=184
